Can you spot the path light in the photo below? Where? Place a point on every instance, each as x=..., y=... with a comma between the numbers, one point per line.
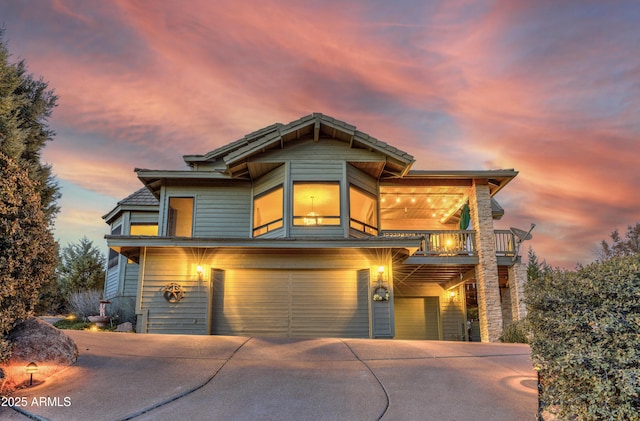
x=31, y=368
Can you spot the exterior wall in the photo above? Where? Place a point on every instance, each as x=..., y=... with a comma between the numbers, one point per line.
x=130, y=286
x=111, y=282
x=489, y=308
x=325, y=150
x=219, y=211
x=452, y=314
x=161, y=266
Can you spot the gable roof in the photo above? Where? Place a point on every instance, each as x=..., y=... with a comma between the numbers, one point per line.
x=315, y=126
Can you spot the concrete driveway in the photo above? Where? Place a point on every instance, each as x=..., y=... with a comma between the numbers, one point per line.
x=168, y=377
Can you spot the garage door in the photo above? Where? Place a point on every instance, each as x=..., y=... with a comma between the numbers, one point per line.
x=417, y=318
x=297, y=304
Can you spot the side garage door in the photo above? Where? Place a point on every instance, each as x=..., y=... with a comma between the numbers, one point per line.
x=417, y=318
x=300, y=303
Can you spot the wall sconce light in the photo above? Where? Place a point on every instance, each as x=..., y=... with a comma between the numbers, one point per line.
x=452, y=295
x=380, y=272
x=199, y=271
x=31, y=368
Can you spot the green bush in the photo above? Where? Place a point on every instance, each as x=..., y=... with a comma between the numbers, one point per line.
x=585, y=339
x=514, y=333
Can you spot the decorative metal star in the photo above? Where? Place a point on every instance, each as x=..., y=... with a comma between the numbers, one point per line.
x=173, y=292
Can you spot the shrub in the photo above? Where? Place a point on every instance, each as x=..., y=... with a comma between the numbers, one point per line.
x=85, y=303
x=123, y=309
x=514, y=333
x=72, y=324
x=586, y=339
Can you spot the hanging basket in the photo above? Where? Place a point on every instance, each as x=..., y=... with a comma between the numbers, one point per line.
x=381, y=293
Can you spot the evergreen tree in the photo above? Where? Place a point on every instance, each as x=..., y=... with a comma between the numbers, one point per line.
x=535, y=268
x=82, y=267
x=627, y=246
x=27, y=248
x=25, y=106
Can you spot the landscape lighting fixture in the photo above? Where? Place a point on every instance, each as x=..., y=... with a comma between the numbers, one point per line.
x=31, y=368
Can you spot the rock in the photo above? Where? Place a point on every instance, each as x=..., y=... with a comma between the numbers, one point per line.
x=125, y=327
x=37, y=341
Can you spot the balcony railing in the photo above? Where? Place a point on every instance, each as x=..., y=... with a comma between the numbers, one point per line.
x=505, y=243
x=440, y=243
x=454, y=242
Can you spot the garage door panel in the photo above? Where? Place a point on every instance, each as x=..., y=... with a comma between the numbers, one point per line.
x=291, y=303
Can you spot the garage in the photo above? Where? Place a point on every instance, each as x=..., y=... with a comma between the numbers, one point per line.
x=417, y=318
x=291, y=303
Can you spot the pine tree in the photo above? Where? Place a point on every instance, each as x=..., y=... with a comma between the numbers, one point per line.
x=25, y=106
x=81, y=267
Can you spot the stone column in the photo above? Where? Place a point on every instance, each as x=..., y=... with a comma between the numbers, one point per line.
x=517, y=278
x=488, y=287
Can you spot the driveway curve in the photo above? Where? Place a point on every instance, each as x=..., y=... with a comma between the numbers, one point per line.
x=166, y=377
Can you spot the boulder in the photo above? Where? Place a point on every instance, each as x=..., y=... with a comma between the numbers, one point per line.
x=36, y=341
x=124, y=327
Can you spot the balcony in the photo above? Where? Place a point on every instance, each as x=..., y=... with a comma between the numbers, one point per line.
x=457, y=243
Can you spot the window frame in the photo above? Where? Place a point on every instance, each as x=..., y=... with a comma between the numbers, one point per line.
x=296, y=218
x=142, y=224
x=267, y=225
x=170, y=219
x=374, y=230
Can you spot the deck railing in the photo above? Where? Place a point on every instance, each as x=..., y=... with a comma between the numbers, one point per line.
x=440, y=243
x=454, y=242
x=505, y=243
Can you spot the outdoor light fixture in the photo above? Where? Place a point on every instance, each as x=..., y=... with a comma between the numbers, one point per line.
x=452, y=295
x=380, y=272
x=31, y=368
x=199, y=271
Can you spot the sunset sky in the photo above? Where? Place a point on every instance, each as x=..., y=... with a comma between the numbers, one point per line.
x=549, y=88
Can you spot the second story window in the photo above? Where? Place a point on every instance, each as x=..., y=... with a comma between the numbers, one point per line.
x=363, y=209
x=113, y=255
x=144, y=229
x=180, y=223
x=267, y=211
x=316, y=204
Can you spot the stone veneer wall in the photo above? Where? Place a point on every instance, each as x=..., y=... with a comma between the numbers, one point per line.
x=489, y=307
x=517, y=279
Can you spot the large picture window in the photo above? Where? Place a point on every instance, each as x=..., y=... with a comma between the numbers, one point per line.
x=316, y=204
x=363, y=210
x=180, y=222
x=267, y=211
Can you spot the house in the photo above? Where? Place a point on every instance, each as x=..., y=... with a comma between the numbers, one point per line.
x=315, y=229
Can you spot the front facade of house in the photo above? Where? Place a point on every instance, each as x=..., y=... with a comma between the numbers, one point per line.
x=314, y=229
